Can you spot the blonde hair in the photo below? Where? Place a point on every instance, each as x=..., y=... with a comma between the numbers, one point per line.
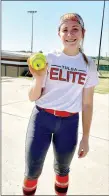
x=75, y=17
x=67, y=16
x=84, y=56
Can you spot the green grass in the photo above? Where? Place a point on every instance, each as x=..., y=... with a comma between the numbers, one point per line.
x=103, y=86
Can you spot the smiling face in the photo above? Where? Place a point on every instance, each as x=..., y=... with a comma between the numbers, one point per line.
x=71, y=31
x=71, y=34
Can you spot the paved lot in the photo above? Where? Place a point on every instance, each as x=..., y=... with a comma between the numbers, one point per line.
x=88, y=176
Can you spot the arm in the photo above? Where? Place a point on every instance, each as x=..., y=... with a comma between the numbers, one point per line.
x=87, y=107
x=36, y=89
x=87, y=111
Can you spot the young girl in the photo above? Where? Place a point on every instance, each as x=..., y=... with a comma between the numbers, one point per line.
x=60, y=91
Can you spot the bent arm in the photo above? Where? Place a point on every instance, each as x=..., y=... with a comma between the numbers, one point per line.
x=35, y=91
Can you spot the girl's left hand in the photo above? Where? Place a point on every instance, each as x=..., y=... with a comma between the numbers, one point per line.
x=83, y=148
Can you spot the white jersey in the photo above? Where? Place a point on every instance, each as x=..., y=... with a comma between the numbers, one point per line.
x=64, y=82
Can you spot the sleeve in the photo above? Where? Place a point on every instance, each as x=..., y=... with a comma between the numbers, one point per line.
x=92, y=75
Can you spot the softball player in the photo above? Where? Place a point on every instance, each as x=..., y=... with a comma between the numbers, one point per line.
x=60, y=91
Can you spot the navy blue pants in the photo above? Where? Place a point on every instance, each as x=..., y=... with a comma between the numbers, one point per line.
x=43, y=128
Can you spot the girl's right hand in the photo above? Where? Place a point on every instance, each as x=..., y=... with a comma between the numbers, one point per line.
x=36, y=73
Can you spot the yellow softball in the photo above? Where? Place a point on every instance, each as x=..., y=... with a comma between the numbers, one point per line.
x=38, y=61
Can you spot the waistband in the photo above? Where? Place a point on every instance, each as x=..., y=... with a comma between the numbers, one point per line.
x=57, y=112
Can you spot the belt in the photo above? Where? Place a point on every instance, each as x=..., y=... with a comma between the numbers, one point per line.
x=58, y=113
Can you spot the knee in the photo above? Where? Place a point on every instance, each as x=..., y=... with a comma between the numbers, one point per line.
x=61, y=169
x=33, y=169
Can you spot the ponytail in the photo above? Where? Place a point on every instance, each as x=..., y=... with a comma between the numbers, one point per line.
x=84, y=56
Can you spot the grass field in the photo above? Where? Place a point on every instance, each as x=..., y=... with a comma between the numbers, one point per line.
x=103, y=86
x=104, y=74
